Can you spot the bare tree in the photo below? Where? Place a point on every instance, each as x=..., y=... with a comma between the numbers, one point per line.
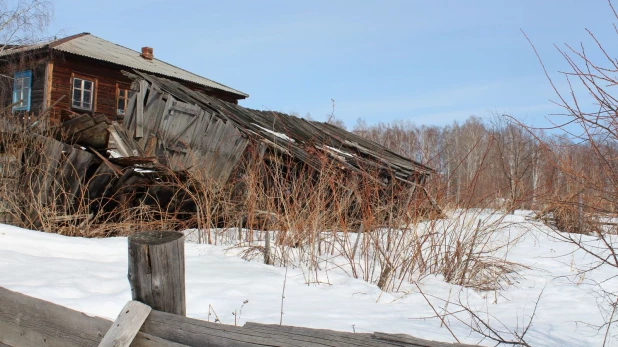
x=590, y=168
x=24, y=23
x=516, y=151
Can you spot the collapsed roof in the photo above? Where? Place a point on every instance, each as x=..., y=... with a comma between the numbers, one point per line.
x=180, y=119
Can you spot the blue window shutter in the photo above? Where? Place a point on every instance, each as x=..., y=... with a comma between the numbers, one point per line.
x=29, y=75
x=25, y=86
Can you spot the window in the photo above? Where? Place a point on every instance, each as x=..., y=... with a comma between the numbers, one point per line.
x=82, y=93
x=22, y=87
x=123, y=101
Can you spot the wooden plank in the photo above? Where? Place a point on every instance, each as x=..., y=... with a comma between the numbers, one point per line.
x=108, y=163
x=52, y=154
x=151, y=112
x=77, y=124
x=118, y=142
x=151, y=146
x=48, y=84
x=413, y=341
x=71, y=176
x=133, y=147
x=158, y=128
x=130, y=112
x=199, y=333
x=100, y=180
x=147, y=340
x=315, y=337
x=30, y=322
x=127, y=325
x=139, y=116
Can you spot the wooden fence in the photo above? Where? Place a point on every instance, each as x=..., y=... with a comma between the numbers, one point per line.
x=29, y=322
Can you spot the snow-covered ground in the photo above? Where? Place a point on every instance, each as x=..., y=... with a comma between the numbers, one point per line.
x=89, y=275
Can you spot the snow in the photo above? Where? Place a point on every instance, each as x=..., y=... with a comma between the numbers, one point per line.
x=113, y=154
x=89, y=275
x=339, y=151
x=279, y=135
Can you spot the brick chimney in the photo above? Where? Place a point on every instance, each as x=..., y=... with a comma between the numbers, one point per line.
x=147, y=53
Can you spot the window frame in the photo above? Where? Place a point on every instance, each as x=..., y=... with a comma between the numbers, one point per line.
x=22, y=75
x=127, y=90
x=84, y=78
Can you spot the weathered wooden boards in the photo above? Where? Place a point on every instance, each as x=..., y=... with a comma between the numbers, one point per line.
x=54, y=172
x=122, y=143
x=78, y=182
x=26, y=321
x=29, y=322
x=157, y=270
x=279, y=130
x=183, y=135
x=86, y=130
x=127, y=325
x=194, y=131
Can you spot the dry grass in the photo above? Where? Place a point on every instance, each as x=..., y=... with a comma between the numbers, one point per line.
x=316, y=218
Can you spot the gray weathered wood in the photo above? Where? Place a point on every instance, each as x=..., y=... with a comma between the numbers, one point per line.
x=157, y=270
x=314, y=337
x=26, y=321
x=127, y=325
x=199, y=333
x=30, y=322
x=70, y=177
x=413, y=341
x=139, y=115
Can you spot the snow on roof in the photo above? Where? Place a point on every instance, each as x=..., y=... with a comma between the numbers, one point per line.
x=279, y=135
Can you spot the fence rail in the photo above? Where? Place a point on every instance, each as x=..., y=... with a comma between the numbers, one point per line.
x=30, y=322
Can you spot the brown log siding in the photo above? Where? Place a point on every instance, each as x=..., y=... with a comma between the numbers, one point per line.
x=37, y=65
x=107, y=76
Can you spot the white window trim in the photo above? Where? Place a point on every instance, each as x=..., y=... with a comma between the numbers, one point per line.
x=81, y=107
x=126, y=100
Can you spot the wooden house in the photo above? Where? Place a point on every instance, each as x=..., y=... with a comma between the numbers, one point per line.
x=121, y=113
x=82, y=74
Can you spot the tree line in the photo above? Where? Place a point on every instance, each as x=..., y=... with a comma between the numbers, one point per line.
x=499, y=162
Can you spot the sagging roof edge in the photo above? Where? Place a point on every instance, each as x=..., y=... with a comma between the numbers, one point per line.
x=289, y=126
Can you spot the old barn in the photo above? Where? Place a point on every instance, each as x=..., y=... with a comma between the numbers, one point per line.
x=128, y=130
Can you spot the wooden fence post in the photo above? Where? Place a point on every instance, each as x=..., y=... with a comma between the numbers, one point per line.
x=157, y=270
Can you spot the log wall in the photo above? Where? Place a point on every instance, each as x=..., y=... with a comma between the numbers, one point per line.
x=106, y=76
x=37, y=64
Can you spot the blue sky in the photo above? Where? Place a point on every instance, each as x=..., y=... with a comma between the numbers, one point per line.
x=429, y=62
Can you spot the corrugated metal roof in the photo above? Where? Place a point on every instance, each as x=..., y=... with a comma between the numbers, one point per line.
x=90, y=46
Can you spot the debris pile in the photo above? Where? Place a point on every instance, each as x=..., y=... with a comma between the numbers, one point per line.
x=88, y=166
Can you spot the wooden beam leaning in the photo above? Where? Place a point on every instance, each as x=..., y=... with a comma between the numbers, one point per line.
x=127, y=325
x=157, y=270
x=139, y=116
